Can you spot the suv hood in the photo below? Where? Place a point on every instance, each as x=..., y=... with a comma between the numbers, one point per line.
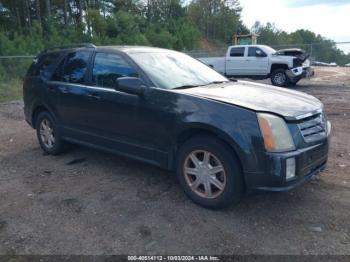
x=292, y=105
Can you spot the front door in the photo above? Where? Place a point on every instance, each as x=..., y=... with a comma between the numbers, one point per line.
x=114, y=120
x=257, y=61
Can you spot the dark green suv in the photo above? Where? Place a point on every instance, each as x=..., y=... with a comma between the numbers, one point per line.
x=221, y=137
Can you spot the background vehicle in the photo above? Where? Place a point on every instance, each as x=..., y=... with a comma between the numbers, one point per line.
x=165, y=108
x=284, y=67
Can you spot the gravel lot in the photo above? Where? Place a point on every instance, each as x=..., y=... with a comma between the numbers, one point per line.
x=88, y=202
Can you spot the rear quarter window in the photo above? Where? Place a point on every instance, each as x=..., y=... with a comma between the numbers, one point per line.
x=43, y=66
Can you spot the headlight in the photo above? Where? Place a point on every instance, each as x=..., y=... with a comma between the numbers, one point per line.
x=329, y=128
x=275, y=132
x=306, y=63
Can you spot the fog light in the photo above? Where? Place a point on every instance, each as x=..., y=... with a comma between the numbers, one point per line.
x=329, y=128
x=290, y=168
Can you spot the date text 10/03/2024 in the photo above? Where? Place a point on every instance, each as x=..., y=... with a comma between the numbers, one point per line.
x=173, y=258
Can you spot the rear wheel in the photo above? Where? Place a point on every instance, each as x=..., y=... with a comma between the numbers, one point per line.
x=279, y=78
x=209, y=172
x=48, y=134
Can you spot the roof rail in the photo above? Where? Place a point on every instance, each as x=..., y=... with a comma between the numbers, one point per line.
x=87, y=45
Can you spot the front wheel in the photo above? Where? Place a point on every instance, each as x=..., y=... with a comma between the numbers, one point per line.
x=279, y=78
x=209, y=172
x=48, y=134
x=293, y=84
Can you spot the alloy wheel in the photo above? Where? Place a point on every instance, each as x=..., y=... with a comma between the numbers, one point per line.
x=204, y=174
x=47, y=134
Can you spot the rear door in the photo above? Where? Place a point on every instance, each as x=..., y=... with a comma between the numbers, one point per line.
x=235, y=61
x=68, y=83
x=257, y=61
x=36, y=87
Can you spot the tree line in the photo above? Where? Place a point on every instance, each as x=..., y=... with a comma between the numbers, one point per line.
x=319, y=47
x=28, y=26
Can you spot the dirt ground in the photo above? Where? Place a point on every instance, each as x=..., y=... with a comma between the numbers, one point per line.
x=88, y=202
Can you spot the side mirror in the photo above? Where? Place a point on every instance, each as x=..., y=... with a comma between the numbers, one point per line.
x=130, y=85
x=259, y=53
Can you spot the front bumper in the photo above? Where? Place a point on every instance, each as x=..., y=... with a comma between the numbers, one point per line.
x=297, y=73
x=308, y=163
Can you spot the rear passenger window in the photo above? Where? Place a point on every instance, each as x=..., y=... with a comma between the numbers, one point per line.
x=57, y=76
x=237, y=51
x=44, y=66
x=108, y=68
x=73, y=68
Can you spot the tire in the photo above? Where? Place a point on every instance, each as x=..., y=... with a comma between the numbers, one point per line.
x=293, y=84
x=46, y=131
x=220, y=155
x=279, y=78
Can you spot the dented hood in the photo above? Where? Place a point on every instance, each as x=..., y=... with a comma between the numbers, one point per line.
x=291, y=105
x=295, y=52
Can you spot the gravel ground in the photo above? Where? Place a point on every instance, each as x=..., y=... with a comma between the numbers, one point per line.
x=89, y=202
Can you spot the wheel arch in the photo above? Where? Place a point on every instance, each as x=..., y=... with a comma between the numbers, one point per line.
x=39, y=108
x=205, y=130
x=278, y=66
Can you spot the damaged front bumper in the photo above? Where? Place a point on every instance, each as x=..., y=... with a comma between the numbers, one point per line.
x=308, y=162
x=297, y=73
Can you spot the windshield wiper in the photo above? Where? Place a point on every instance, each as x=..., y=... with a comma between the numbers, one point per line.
x=185, y=86
x=232, y=79
x=210, y=83
x=218, y=82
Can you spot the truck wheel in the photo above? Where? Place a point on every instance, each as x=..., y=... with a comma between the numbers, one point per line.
x=209, y=172
x=293, y=84
x=279, y=78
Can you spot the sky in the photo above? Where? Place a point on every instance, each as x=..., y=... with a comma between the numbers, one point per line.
x=330, y=18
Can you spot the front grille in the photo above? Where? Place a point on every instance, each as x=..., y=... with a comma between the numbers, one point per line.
x=297, y=62
x=313, y=128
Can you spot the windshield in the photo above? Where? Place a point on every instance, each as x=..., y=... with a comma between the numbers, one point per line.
x=175, y=70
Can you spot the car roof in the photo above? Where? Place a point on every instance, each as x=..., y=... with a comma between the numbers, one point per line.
x=121, y=48
x=249, y=46
x=132, y=49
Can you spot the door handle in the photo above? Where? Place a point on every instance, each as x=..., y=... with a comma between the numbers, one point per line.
x=94, y=96
x=52, y=89
x=64, y=90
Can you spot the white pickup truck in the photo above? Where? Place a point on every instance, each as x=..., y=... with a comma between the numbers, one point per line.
x=284, y=67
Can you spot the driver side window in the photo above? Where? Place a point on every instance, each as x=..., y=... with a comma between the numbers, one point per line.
x=108, y=68
x=255, y=51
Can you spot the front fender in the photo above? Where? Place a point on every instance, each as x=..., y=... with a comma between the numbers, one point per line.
x=236, y=126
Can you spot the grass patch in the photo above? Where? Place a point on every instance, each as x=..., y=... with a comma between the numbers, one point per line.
x=11, y=90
